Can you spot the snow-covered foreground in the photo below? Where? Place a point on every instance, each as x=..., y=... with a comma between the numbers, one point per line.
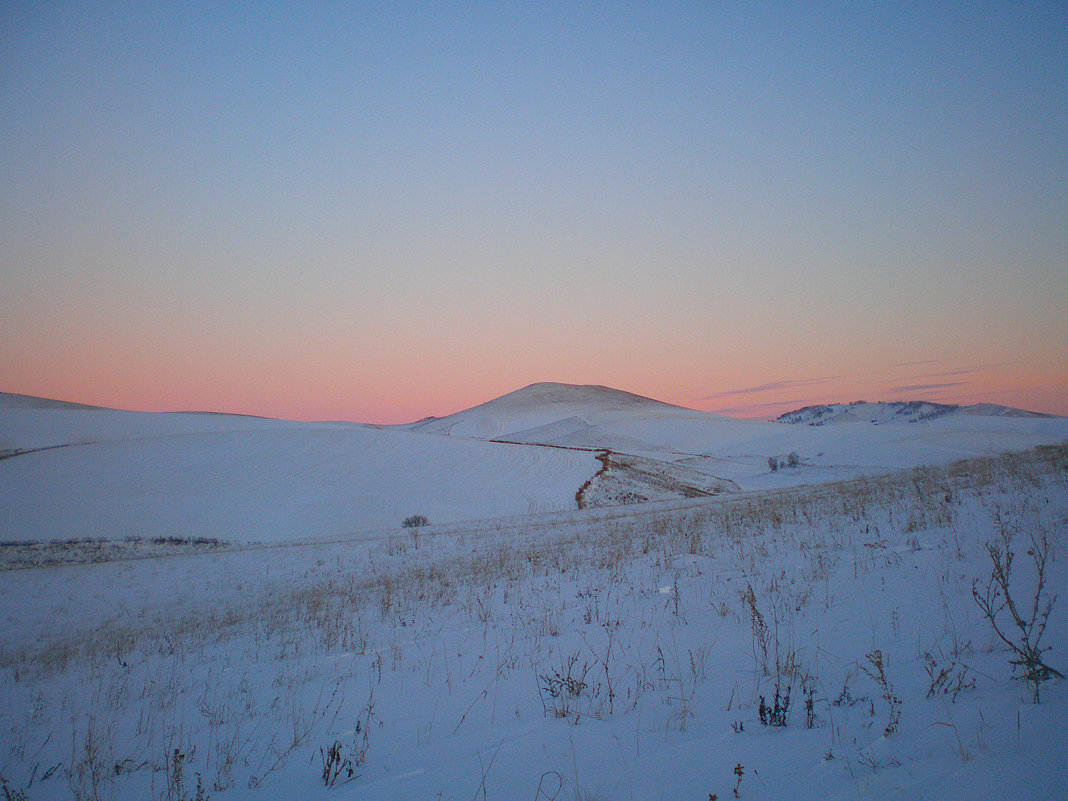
x=598, y=654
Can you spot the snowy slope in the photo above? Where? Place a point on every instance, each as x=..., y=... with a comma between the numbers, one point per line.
x=738, y=450
x=99, y=473
x=28, y=423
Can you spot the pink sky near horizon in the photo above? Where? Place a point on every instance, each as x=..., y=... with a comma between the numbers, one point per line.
x=324, y=389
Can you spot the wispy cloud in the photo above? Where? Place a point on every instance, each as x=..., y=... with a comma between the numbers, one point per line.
x=917, y=363
x=767, y=409
x=978, y=368
x=919, y=387
x=959, y=371
x=951, y=373
x=773, y=386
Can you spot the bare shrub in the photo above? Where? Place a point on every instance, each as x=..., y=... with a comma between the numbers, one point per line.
x=761, y=635
x=90, y=774
x=336, y=760
x=176, y=780
x=564, y=686
x=777, y=714
x=877, y=673
x=951, y=679
x=11, y=793
x=996, y=597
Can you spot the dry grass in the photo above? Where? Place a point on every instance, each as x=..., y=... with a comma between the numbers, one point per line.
x=404, y=581
x=506, y=589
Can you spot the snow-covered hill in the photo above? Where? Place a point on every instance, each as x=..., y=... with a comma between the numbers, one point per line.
x=884, y=413
x=69, y=471
x=737, y=451
x=547, y=405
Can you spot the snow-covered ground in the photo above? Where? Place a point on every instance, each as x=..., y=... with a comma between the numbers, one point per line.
x=92, y=474
x=544, y=651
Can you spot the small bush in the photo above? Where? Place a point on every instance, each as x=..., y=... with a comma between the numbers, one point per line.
x=335, y=761
x=877, y=673
x=761, y=635
x=564, y=686
x=951, y=679
x=996, y=597
x=779, y=713
x=176, y=780
x=11, y=793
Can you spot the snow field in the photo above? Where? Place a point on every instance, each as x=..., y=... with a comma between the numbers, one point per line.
x=613, y=659
x=74, y=473
x=247, y=480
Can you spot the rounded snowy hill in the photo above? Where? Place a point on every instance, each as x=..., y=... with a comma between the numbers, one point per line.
x=551, y=409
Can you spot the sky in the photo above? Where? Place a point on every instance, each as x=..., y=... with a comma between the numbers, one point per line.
x=384, y=211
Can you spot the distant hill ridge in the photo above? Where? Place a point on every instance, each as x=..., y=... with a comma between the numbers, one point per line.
x=546, y=403
x=890, y=412
x=12, y=400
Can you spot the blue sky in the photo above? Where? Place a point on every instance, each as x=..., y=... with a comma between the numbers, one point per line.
x=387, y=210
